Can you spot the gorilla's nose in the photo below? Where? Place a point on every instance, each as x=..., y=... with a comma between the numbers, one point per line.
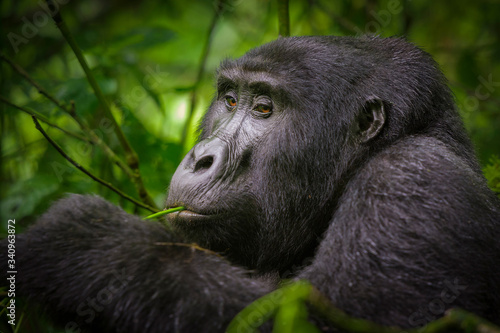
x=204, y=163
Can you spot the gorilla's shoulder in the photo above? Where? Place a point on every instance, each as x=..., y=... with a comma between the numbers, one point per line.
x=420, y=164
x=416, y=153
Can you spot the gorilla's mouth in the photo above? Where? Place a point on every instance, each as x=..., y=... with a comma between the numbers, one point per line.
x=189, y=216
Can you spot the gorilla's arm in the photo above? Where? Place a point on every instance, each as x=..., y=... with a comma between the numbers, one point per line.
x=100, y=268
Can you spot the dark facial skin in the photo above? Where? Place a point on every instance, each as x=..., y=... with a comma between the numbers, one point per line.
x=239, y=119
x=217, y=181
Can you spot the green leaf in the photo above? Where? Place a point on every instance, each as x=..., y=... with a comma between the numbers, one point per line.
x=164, y=212
x=285, y=303
x=492, y=174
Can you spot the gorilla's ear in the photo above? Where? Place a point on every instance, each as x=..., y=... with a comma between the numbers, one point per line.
x=370, y=119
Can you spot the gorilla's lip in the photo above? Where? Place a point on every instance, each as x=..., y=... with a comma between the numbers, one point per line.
x=189, y=216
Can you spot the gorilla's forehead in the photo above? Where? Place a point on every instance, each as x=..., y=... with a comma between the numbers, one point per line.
x=250, y=77
x=300, y=60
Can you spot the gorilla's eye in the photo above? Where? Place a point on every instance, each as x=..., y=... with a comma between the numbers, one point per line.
x=264, y=109
x=231, y=102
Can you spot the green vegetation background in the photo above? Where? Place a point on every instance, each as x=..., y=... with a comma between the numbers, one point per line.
x=146, y=57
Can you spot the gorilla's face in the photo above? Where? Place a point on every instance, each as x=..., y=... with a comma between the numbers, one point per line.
x=231, y=182
x=263, y=176
x=217, y=177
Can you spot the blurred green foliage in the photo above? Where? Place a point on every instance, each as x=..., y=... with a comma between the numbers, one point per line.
x=287, y=305
x=146, y=56
x=492, y=173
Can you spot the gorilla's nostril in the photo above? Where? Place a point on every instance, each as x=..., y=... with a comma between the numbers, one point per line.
x=204, y=163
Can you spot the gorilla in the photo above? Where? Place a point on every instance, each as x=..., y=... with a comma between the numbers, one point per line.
x=339, y=160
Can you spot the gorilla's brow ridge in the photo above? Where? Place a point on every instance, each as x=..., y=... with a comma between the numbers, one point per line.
x=258, y=82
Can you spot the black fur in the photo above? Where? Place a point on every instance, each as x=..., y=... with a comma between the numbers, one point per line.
x=360, y=179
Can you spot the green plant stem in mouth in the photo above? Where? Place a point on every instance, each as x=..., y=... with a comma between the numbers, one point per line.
x=164, y=212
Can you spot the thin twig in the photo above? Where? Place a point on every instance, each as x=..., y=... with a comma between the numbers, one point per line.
x=44, y=119
x=131, y=156
x=40, y=89
x=201, y=70
x=99, y=142
x=164, y=212
x=459, y=320
x=88, y=173
x=283, y=18
x=455, y=320
x=341, y=21
x=70, y=110
x=65, y=108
